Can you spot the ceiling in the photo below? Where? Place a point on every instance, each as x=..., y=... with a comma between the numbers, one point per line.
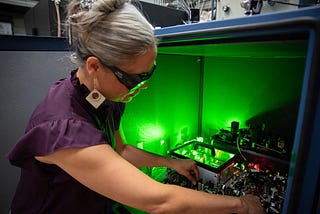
x=21, y=3
x=17, y=6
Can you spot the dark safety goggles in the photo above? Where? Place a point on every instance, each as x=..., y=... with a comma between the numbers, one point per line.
x=132, y=81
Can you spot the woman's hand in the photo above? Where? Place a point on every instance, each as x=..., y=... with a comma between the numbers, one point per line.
x=187, y=168
x=251, y=204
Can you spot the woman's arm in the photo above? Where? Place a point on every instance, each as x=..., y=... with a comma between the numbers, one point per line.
x=140, y=158
x=105, y=172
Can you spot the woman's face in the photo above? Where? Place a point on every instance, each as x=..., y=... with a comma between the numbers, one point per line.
x=109, y=85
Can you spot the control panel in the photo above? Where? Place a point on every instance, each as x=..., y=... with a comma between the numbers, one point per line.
x=239, y=8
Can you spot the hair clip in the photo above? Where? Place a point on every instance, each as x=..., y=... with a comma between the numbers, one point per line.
x=87, y=4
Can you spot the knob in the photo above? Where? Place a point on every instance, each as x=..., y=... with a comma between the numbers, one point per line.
x=226, y=8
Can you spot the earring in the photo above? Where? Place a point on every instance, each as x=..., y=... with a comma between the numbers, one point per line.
x=95, y=98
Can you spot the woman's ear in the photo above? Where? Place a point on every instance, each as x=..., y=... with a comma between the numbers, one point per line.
x=92, y=65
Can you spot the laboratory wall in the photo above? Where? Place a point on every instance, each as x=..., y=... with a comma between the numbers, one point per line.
x=252, y=83
x=167, y=113
x=252, y=91
x=24, y=80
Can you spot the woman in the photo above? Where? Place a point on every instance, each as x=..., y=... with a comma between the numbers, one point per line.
x=72, y=156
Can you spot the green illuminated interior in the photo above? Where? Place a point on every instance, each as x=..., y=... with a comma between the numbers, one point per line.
x=167, y=113
x=214, y=158
x=197, y=90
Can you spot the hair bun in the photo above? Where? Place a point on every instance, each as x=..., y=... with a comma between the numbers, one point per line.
x=107, y=6
x=114, y=31
x=86, y=4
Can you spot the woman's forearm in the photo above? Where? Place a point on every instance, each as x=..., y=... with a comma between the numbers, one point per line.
x=141, y=158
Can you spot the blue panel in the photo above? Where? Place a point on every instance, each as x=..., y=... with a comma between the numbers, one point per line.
x=256, y=19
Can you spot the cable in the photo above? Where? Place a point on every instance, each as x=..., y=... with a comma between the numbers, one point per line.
x=56, y=4
x=244, y=158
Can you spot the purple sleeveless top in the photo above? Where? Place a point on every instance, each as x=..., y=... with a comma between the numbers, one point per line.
x=63, y=119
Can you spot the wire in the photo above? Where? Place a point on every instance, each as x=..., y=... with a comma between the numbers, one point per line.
x=244, y=158
x=56, y=4
x=183, y=5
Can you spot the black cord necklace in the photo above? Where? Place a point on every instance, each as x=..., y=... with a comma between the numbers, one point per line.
x=107, y=130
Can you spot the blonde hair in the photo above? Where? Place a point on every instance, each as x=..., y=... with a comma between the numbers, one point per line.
x=112, y=30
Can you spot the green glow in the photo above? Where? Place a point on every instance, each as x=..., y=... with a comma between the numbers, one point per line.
x=204, y=155
x=263, y=50
x=243, y=93
x=200, y=139
x=137, y=86
x=240, y=81
x=167, y=113
x=150, y=132
x=186, y=152
x=219, y=82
